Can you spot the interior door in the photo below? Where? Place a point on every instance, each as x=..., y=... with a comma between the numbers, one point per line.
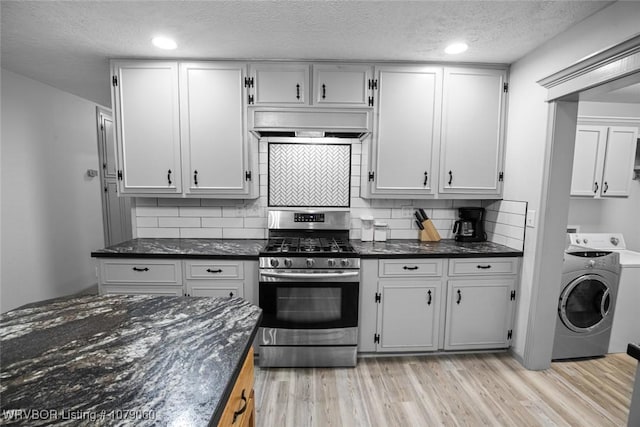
x=116, y=211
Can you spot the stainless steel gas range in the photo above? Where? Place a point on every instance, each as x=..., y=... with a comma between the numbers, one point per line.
x=308, y=291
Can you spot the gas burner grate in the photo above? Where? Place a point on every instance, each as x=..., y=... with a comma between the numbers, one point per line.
x=307, y=245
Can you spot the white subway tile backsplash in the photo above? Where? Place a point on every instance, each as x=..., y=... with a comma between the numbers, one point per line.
x=444, y=214
x=223, y=222
x=201, y=233
x=147, y=221
x=200, y=211
x=233, y=211
x=171, y=222
x=221, y=202
x=178, y=202
x=400, y=224
x=255, y=222
x=403, y=234
x=157, y=211
x=158, y=232
x=146, y=201
x=243, y=233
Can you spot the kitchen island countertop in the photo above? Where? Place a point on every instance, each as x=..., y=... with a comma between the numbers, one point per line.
x=249, y=249
x=116, y=359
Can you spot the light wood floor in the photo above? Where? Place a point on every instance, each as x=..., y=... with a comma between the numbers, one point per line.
x=465, y=390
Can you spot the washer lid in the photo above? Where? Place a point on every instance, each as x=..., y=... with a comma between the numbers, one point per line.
x=629, y=258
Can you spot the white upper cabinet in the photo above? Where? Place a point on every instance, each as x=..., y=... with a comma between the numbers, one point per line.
x=407, y=131
x=214, y=137
x=603, y=161
x=181, y=129
x=145, y=99
x=342, y=85
x=472, y=131
x=283, y=84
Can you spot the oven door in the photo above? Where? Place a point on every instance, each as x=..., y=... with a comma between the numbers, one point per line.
x=309, y=299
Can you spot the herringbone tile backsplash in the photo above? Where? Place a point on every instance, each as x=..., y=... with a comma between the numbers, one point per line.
x=309, y=175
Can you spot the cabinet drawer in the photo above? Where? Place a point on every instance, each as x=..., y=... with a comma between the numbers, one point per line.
x=482, y=266
x=409, y=267
x=143, y=271
x=135, y=289
x=214, y=270
x=215, y=288
x=236, y=403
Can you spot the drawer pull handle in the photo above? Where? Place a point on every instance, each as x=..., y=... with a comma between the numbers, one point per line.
x=230, y=294
x=140, y=269
x=459, y=297
x=214, y=271
x=240, y=411
x=484, y=267
x=429, y=297
x=415, y=267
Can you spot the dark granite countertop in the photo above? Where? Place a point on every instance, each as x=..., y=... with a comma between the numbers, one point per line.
x=250, y=249
x=184, y=248
x=124, y=360
x=446, y=248
x=633, y=350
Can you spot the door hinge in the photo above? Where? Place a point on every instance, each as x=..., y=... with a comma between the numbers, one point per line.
x=376, y=338
x=513, y=295
x=371, y=101
x=106, y=189
x=247, y=176
x=371, y=176
x=120, y=175
x=250, y=99
x=373, y=84
x=501, y=176
x=248, y=82
x=509, y=334
x=101, y=126
x=114, y=80
x=104, y=165
x=505, y=87
x=378, y=297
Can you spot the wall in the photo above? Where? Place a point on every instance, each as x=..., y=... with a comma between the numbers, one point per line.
x=526, y=142
x=215, y=218
x=609, y=215
x=51, y=211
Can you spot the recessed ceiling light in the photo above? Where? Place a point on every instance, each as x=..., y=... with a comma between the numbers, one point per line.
x=164, y=43
x=455, y=48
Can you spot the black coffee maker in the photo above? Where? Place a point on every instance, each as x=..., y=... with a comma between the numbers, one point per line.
x=470, y=226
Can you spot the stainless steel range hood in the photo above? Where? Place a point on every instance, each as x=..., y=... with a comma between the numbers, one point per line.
x=310, y=122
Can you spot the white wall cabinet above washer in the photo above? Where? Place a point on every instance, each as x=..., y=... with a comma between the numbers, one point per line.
x=603, y=161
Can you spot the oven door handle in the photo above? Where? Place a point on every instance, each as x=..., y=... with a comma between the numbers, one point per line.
x=310, y=275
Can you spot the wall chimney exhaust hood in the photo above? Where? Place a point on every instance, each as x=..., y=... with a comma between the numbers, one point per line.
x=310, y=122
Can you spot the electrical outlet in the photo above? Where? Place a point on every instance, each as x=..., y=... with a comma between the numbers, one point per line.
x=407, y=211
x=531, y=218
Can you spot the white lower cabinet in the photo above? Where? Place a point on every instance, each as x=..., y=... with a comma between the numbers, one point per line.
x=408, y=315
x=478, y=314
x=198, y=278
x=420, y=305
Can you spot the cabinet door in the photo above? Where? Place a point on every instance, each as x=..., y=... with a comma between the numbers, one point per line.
x=341, y=85
x=407, y=131
x=280, y=84
x=479, y=314
x=618, y=161
x=145, y=97
x=472, y=123
x=213, y=127
x=587, y=164
x=409, y=313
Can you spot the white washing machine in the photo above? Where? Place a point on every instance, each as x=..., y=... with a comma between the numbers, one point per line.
x=587, y=303
x=626, y=322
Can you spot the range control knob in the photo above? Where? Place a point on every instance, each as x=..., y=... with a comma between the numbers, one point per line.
x=591, y=263
x=273, y=262
x=331, y=262
x=288, y=263
x=310, y=262
x=344, y=262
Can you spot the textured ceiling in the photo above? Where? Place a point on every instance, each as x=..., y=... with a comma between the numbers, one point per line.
x=67, y=44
